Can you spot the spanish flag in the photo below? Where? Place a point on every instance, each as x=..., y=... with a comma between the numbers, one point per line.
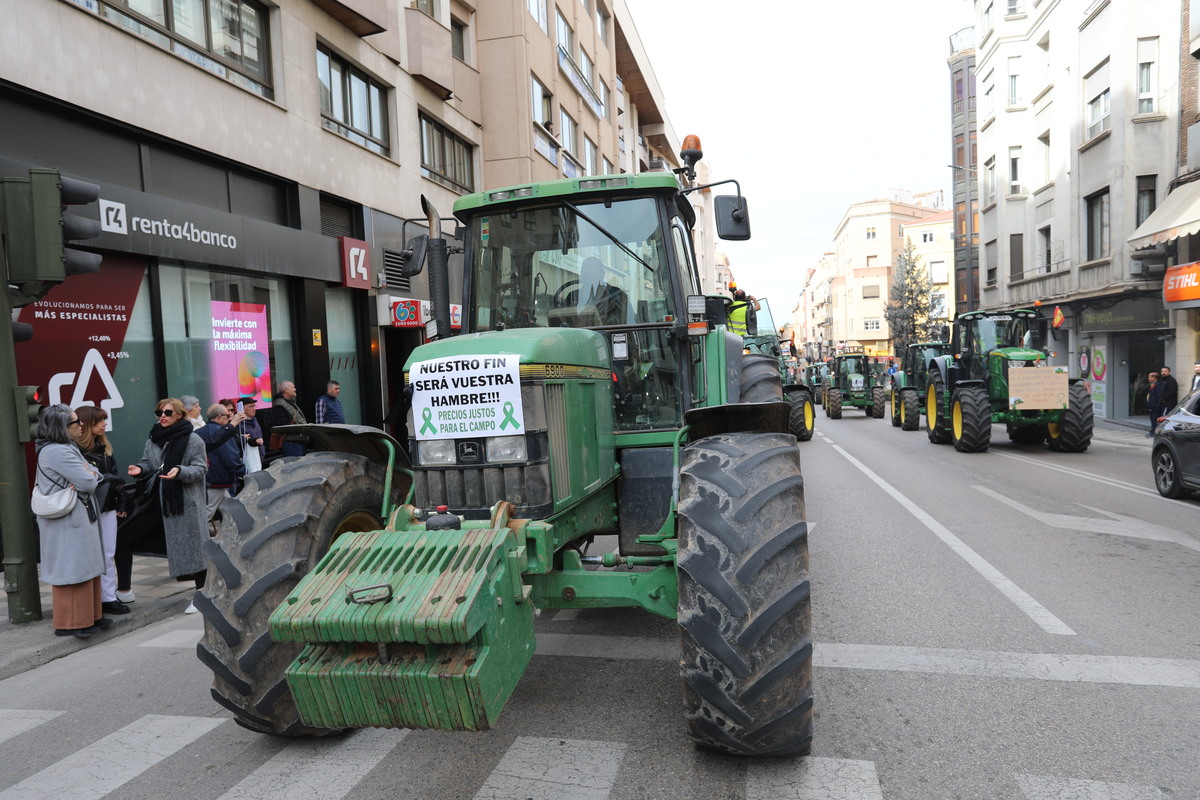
x=1058, y=319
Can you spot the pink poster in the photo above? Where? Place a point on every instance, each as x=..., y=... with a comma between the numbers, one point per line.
x=238, y=359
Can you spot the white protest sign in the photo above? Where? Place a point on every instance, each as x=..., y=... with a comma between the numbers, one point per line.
x=461, y=396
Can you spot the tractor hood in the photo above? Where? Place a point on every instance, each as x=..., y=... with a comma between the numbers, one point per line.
x=1020, y=354
x=568, y=346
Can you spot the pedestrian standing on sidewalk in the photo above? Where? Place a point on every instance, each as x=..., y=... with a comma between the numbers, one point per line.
x=1153, y=401
x=174, y=458
x=1196, y=376
x=72, y=555
x=252, y=432
x=193, y=411
x=98, y=452
x=225, y=468
x=285, y=411
x=1170, y=389
x=329, y=407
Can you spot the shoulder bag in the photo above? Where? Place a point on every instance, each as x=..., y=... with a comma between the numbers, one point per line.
x=53, y=505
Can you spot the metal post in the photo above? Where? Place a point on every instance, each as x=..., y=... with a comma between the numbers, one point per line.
x=16, y=521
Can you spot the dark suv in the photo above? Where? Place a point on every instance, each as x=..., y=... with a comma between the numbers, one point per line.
x=1176, y=451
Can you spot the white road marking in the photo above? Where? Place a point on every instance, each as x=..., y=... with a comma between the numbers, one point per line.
x=1040, y=787
x=1117, y=525
x=1018, y=596
x=554, y=769
x=1078, y=473
x=1177, y=673
x=326, y=769
x=175, y=639
x=101, y=767
x=812, y=779
x=582, y=646
x=15, y=721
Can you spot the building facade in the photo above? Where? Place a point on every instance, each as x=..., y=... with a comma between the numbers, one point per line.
x=964, y=164
x=935, y=246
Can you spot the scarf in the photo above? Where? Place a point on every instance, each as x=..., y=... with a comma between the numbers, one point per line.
x=173, y=441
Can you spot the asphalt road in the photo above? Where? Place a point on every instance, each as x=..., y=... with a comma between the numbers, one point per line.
x=1015, y=624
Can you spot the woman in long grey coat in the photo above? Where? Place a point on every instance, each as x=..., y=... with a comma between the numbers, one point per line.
x=176, y=456
x=72, y=557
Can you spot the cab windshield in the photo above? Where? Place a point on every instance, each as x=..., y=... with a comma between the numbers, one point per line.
x=551, y=267
x=992, y=333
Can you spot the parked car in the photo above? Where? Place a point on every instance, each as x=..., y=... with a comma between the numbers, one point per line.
x=1176, y=452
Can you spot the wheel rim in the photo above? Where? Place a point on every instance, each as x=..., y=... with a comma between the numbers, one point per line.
x=956, y=419
x=931, y=404
x=903, y=413
x=1165, y=471
x=357, y=521
x=1053, y=430
x=808, y=416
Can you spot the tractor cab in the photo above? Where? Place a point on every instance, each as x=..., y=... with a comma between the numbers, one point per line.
x=987, y=342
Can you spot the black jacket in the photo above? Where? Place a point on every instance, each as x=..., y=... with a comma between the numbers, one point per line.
x=1169, y=392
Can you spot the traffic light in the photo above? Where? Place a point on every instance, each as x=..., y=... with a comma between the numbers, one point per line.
x=38, y=229
x=29, y=409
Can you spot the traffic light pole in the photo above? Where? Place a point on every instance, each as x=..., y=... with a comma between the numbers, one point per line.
x=16, y=520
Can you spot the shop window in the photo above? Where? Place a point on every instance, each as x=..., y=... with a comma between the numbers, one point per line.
x=344, y=366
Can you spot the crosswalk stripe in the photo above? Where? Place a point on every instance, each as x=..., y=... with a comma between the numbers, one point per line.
x=812, y=779
x=181, y=639
x=583, y=646
x=1042, y=787
x=101, y=767
x=554, y=769
x=327, y=768
x=15, y=721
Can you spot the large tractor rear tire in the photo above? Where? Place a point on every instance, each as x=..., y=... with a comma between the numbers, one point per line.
x=802, y=417
x=937, y=426
x=744, y=609
x=910, y=410
x=834, y=406
x=1074, y=433
x=970, y=419
x=273, y=533
x=878, y=399
x=760, y=379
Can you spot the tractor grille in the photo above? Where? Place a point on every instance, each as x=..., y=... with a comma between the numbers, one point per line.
x=471, y=491
x=556, y=422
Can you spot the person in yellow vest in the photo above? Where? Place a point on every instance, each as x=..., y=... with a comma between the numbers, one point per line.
x=742, y=303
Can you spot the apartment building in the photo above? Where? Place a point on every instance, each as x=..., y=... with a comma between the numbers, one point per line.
x=965, y=166
x=1079, y=134
x=261, y=166
x=934, y=241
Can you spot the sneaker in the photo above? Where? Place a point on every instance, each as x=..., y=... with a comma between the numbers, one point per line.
x=191, y=609
x=125, y=597
x=115, y=607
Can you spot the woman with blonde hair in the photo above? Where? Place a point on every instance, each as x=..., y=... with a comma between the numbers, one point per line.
x=97, y=450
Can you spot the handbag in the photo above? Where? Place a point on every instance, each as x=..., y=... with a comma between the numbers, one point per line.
x=147, y=483
x=53, y=505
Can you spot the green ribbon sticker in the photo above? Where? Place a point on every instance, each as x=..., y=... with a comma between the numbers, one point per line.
x=508, y=417
x=428, y=426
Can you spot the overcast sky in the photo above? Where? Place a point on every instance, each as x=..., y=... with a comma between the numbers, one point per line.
x=811, y=106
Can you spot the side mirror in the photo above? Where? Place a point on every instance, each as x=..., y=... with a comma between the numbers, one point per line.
x=732, y=217
x=412, y=257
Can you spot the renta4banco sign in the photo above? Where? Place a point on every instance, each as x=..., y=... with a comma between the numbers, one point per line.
x=461, y=396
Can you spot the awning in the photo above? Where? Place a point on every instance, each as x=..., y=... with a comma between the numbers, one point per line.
x=1179, y=215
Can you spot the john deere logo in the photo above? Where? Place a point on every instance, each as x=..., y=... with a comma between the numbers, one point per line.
x=468, y=452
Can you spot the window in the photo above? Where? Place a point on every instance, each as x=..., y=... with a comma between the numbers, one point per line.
x=871, y=262
x=1045, y=250
x=601, y=23
x=926, y=237
x=987, y=18
x=540, y=107
x=937, y=305
x=352, y=103
x=589, y=156
x=1044, y=139
x=1014, y=7
x=871, y=325
x=989, y=181
x=1097, y=93
x=233, y=33
x=566, y=36
x=870, y=291
x=606, y=166
x=537, y=8
x=587, y=69
x=445, y=157
x=428, y=6
x=568, y=132
x=1014, y=74
x=989, y=260
x=989, y=102
x=1147, y=74
x=1016, y=256
x=960, y=152
x=602, y=94
x=1097, y=226
x=938, y=272
x=1014, y=170
x=1147, y=196
x=458, y=40
x=870, y=233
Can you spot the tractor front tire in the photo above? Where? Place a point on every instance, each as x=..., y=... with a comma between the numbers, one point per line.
x=834, y=407
x=801, y=418
x=274, y=532
x=970, y=419
x=760, y=379
x=1073, y=434
x=910, y=410
x=936, y=424
x=878, y=399
x=744, y=608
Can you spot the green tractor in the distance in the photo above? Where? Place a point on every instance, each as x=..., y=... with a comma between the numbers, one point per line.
x=997, y=372
x=763, y=342
x=815, y=376
x=907, y=385
x=852, y=381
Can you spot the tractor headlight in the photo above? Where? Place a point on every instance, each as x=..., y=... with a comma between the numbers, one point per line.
x=436, y=451
x=507, y=448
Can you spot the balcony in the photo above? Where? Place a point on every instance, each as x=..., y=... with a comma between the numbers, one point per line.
x=429, y=55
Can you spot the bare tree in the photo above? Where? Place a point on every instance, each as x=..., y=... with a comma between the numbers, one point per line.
x=910, y=311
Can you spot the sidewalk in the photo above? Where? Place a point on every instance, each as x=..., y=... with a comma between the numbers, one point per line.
x=24, y=647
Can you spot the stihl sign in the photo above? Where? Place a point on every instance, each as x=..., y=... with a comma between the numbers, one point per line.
x=1181, y=284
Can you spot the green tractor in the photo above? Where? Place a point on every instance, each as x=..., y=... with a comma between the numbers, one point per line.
x=815, y=376
x=996, y=372
x=907, y=385
x=763, y=341
x=593, y=392
x=852, y=381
